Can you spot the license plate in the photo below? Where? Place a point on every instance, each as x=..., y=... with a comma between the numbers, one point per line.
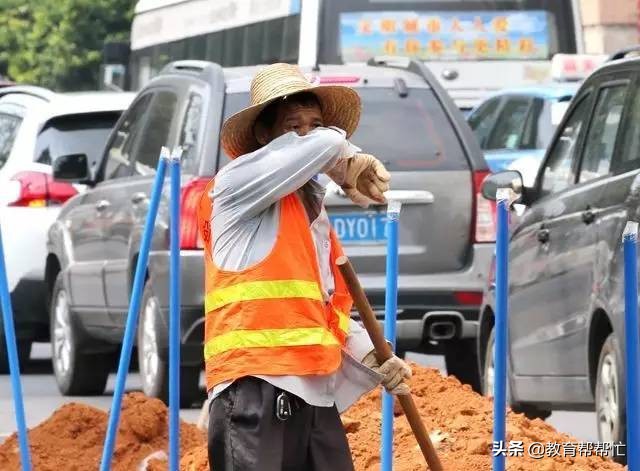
x=359, y=228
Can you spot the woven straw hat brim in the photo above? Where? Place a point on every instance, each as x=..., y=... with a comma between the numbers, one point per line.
x=340, y=106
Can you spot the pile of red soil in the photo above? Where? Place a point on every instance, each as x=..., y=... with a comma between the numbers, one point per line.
x=460, y=422
x=73, y=437
x=459, y=419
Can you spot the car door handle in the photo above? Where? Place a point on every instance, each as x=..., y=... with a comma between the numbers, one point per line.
x=138, y=198
x=410, y=196
x=588, y=216
x=102, y=205
x=543, y=235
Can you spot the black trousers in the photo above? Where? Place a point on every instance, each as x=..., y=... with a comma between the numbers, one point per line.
x=246, y=435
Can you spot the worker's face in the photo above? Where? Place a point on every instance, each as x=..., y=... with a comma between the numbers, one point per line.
x=300, y=119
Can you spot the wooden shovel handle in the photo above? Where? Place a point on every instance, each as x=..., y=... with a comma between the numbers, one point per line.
x=383, y=353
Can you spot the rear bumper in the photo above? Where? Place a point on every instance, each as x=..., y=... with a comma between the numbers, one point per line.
x=422, y=299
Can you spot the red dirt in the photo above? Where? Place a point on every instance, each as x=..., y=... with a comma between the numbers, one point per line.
x=459, y=419
x=73, y=437
x=460, y=422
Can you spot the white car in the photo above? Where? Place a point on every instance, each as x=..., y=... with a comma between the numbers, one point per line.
x=36, y=126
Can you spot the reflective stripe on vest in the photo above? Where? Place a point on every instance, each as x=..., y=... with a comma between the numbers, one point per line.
x=262, y=338
x=252, y=290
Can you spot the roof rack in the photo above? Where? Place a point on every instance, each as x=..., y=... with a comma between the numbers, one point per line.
x=32, y=90
x=631, y=51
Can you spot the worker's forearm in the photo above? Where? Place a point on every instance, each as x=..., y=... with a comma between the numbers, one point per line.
x=254, y=182
x=358, y=342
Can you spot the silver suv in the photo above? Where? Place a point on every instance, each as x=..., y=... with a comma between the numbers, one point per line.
x=408, y=121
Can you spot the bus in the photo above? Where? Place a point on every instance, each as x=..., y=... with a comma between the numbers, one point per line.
x=461, y=41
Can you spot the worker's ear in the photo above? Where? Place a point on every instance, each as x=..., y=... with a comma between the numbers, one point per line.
x=262, y=133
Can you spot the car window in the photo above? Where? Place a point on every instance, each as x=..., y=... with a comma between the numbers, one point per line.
x=84, y=133
x=601, y=138
x=416, y=135
x=534, y=127
x=122, y=143
x=629, y=156
x=508, y=129
x=190, y=131
x=155, y=133
x=9, y=126
x=481, y=121
x=559, y=170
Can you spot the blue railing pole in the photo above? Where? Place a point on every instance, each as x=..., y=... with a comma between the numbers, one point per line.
x=14, y=364
x=174, y=313
x=134, y=309
x=390, y=312
x=632, y=349
x=502, y=312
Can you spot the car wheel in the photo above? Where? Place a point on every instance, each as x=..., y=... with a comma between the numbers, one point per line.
x=460, y=357
x=76, y=372
x=488, y=382
x=24, y=351
x=154, y=369
x=610, y=396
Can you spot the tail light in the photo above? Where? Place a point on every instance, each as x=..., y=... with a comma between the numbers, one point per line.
x=468, y=298
x=37, y=189
x=189, y=201
x=484, y=211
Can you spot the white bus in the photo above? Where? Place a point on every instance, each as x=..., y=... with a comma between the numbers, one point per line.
x=462, y=41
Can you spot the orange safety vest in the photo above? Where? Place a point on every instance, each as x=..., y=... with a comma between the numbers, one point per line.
x=270, y=318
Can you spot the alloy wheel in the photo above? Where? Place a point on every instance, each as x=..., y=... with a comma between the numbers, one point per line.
x=607, y=408
x=62, y=334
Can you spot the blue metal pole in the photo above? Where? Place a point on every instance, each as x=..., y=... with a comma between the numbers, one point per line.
x=134, y=309
x=502, y=312
x=174, y=313
x=632, y=348
x=390, y=312
x=14, y=364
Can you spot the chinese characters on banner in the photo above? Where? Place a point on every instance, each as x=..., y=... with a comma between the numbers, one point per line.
x=445, y=36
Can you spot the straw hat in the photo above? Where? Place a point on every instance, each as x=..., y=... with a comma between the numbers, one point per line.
x=340, y=106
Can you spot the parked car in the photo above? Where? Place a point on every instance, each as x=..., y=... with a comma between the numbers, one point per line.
x=566, y=319
x=408, y=121
x=514, y=127
x=36, y=126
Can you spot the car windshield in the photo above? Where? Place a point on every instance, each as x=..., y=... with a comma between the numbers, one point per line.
x=75, y=134
x=407, y=133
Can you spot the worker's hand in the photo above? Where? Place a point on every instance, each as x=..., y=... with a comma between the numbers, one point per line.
x=394, y=371
x=366, y=179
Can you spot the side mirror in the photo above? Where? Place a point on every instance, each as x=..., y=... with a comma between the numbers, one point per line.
x=507, y=179
x=71, y=168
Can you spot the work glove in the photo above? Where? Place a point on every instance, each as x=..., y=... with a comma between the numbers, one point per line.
x=364, y=179
x=394, y=371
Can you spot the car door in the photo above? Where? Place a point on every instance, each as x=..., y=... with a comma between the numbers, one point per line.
x=129, y=197
x=88, y=220
x=549, y=338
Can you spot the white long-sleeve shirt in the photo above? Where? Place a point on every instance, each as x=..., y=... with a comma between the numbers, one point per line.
x=245, y=223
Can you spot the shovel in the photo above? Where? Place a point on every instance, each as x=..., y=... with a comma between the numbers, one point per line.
x=383, y=353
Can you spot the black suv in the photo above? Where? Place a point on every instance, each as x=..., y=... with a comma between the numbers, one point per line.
x=566, y=324
x=408, y=121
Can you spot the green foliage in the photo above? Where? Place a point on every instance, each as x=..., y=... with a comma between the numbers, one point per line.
x=58, y=43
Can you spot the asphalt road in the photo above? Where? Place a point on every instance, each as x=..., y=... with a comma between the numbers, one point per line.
x=41, y=398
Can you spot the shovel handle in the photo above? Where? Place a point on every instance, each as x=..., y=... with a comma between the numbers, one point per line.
x=383, y=353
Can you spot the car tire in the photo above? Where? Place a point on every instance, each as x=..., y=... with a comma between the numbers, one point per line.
x=154, y=370
x=24, y=352
x=461, y=359
x=77, y=372
x=488, y=377
x=610, y=395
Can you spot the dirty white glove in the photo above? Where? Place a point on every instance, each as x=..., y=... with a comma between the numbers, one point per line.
x=364, y=179
x=394, y=371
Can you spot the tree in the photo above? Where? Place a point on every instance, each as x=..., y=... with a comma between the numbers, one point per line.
x=58, y=43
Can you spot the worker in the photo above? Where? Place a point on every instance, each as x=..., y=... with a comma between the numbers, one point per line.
x=282, y=355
